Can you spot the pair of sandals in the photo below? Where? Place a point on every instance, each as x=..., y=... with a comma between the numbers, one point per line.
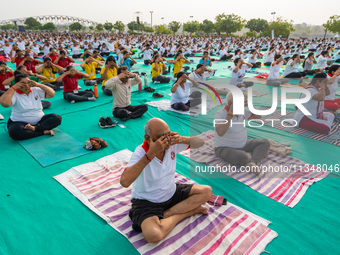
x=95, y=143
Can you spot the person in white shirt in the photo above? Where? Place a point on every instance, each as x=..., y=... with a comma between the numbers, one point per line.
x=252, y=59
x=147, y=54
x=27, y=119
x=180, y=97
x=337, y=57
x=322, y=61
x=224, y=55
x=273, y=78
x=332, y=103
x=292, y=68
x=7, y=49
x=308, y=64
x=270, y=57
x=319, y=121
x=231, y=142
x=201, y=73
x=158, y=203
x=75, y=50
x=238, y=72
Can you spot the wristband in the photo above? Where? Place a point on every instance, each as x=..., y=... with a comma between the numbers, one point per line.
x=322, y=88
x=147, y=157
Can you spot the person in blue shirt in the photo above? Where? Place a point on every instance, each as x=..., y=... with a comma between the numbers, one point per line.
x=206, y=60
x=127, y=60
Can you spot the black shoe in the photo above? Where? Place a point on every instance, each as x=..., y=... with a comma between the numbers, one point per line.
x=110, y=122
x=156, y=95
x=102, y=123
x=143, y=73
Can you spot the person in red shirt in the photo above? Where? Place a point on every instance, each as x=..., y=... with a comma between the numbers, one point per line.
x=30, y=63
x=19, y=56
x=53, y=54
x=63, y=60
x=5, y=73
x=71, y=90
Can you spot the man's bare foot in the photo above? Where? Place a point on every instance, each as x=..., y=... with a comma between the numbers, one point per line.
x=200, y=210
x=30, y=127
x=49, y=132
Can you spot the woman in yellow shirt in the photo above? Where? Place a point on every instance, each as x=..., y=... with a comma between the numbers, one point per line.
x=157, y=70
x=107, y=72
x=178, y=63
x=90, y=65
x=50, y=70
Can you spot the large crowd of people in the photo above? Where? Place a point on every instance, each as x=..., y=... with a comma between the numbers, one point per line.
x=44, y=65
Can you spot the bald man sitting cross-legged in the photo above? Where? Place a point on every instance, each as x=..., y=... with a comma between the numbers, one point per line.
x=158, y=203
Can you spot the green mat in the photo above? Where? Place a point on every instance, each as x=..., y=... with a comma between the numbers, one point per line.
x=39, y=217
x=49, y=150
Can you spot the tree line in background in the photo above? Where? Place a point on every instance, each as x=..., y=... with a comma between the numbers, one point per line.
x=227, y=24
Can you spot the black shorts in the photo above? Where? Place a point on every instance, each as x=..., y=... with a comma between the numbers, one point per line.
x=143, y=209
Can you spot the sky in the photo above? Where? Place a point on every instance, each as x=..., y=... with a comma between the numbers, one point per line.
x=296, y=10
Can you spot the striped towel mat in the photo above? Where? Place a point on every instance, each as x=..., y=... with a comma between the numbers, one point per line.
x=286, y=187
x=332, y=137
x=227, y=229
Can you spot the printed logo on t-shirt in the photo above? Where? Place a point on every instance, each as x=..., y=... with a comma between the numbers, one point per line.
x=173, y=155
x=36, y=97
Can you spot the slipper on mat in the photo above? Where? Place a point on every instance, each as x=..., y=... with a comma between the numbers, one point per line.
x=156, y=95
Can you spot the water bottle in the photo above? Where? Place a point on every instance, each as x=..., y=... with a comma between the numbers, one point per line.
x=140, y=87
x=169, y=69
x=145, y=80
x=95, y=91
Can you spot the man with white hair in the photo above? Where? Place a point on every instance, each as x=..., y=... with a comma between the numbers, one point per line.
x=158, y=203
x=230, y=140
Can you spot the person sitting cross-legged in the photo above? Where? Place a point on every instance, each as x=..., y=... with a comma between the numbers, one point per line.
x=90, y=65
x=121, y=93
x=27, y=119
x=158, y=203
x=71, y=89
x=231, y=141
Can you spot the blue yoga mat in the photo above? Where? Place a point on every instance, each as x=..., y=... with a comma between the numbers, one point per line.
x=48, y=150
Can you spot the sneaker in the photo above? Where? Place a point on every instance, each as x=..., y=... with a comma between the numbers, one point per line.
x=102, y=123
x=109, y=122
x=91, y=99
x=1, y=117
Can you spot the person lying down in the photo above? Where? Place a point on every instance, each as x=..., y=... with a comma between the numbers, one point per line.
x=158, y=203
x=231, y=142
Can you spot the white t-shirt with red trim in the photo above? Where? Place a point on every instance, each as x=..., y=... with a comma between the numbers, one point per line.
x=332, y=87
x=236, y=136
x=28, y=108
x=156, y=183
